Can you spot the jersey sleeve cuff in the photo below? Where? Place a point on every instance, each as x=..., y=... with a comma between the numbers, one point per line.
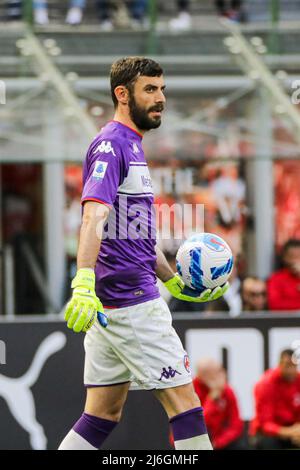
x=96, y=200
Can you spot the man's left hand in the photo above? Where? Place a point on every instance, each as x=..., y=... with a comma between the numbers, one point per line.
x=180, y=291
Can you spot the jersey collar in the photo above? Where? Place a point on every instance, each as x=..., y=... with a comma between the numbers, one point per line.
x=128, y=127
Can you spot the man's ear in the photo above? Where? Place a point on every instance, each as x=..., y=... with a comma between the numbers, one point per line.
x=121, y=93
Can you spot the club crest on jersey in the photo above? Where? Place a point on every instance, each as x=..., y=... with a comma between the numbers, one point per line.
x=105, y=147
x=99, y=170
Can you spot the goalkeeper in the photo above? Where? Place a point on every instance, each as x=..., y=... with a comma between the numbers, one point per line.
x=130, y=342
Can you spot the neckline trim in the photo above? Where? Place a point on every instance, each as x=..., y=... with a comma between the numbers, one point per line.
x=128, y=127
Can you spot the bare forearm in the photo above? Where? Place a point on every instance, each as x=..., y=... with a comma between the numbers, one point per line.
x=163, y=270
x=94, y=218
x=89, y=246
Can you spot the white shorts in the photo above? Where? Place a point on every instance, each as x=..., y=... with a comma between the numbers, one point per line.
x=139, y=346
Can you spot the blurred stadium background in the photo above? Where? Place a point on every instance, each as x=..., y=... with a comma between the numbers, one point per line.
x=230, y=140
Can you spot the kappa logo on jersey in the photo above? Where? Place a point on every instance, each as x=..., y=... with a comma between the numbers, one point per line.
x=100, y=170
x=170, y=373
x=105, y=147
x=135, y=148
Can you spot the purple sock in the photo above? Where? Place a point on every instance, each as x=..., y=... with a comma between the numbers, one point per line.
x=94, y=430
x=188, y=424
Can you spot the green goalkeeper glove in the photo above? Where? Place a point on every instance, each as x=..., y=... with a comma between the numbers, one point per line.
x=84, y=307
x=178, y=289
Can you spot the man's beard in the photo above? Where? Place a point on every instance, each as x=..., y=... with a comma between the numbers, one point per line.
x=140, y=116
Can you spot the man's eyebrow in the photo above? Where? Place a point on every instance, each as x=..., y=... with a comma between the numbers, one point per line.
x=154, y=86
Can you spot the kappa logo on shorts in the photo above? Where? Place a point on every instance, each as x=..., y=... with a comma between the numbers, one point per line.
x=170, y=373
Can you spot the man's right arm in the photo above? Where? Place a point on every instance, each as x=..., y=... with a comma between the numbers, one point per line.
x=84, y=306
x=105, y=169
x=93, y=220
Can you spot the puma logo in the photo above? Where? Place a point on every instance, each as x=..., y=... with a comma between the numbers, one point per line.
x=19, y=397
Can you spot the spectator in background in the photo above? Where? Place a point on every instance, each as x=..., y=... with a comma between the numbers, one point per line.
x=14, y=9
x=183, y=21
x=124, y=13
x=137, y=9
x=254, y=294
x=74, y=15
x=230, y=9
x=284, y=285
x=221, y=411
x=277, y=406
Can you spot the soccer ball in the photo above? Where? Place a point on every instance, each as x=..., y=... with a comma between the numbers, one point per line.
x=204, y=261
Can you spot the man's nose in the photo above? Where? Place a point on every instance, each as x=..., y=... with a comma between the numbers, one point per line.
x=160, y=97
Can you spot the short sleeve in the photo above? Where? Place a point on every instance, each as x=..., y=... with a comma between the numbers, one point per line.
x=104, y=171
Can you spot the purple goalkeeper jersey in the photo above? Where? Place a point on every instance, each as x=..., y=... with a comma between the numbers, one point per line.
x=115, y=173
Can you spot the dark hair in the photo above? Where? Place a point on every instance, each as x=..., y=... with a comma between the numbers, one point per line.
x=252, y=278
x=286, y=352
x=291, y=243
x=127, y=70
